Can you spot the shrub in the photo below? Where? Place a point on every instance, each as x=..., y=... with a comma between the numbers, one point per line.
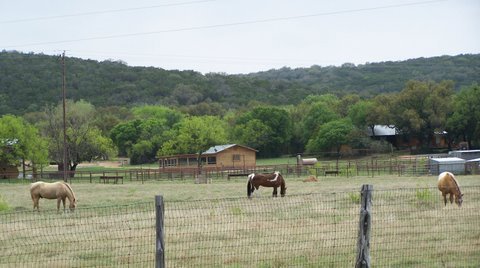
x=354, y=197
x=424, y=196
x=3, y=204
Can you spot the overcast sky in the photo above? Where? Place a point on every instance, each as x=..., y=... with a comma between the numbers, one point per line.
x=241, y=36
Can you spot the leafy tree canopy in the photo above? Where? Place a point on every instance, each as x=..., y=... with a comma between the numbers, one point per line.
x=194, y=134
x=84, y=141
x=21, y=140
x=274, y=130
x=464, y=121
x=331, y=135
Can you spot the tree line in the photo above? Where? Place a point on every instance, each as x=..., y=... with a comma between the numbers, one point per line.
x=318, y=123
x=29, y=82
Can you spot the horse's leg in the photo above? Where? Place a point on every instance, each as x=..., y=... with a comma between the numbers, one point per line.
x=444, y=198
x=451, y=198
x=59, y=200
x=64, y=200
x=274, y=191
x=35, y=203
x=250, y=190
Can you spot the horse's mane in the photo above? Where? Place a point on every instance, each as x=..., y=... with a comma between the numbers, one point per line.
x=70, y=189
x=456, y=183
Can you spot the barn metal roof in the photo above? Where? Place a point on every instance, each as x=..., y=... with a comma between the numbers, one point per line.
x=448, y=160
x=218, y=148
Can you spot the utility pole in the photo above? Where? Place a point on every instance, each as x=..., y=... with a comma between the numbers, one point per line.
x=64, y=121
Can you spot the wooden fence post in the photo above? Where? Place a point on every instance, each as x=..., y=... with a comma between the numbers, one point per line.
x=363, y=243
x=160, y=243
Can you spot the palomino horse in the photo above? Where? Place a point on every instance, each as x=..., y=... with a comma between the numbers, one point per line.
x=57, y=190
x=447, y=184
x=274, y=180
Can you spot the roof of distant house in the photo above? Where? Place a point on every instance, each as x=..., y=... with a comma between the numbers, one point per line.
x=218, y=148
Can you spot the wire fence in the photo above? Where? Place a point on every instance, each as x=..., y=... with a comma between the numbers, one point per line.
x=119, y=236
x=410, y=227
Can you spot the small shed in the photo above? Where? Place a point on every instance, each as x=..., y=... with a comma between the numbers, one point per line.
x=465, y=154
x=472, y=166
x=453, y=164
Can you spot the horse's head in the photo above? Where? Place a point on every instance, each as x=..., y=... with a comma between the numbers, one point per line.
x=459, y=199
x=72, y=205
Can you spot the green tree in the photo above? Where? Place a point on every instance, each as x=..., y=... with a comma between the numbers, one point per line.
x=359, y=113
x=194, y=134
x=331, y=135
x=107, y=118
x=421, y=108
x=275, y=129
x=140, y=139
x=253, y=133
x=84, y=141
x=321, y=109
x=464, y=122
x=125, y=135
x=21, y=140
x=159, y=112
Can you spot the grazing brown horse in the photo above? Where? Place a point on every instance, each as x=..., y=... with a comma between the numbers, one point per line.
x=274, y=180
x=447, y=184
x=57, y=190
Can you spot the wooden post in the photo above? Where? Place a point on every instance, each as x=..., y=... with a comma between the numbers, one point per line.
x=160, y=243
x=363, y=243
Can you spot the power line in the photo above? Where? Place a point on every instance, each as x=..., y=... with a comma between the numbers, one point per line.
x=102, y=12
x=193, y=28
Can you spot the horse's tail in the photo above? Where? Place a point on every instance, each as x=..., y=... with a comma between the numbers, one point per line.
x=250, y=188
x=283, y=186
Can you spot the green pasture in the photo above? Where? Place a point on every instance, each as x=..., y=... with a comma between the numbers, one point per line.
x=16, y=194
x=417, y=208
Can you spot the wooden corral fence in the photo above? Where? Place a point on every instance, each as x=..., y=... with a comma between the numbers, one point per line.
x=407, y=166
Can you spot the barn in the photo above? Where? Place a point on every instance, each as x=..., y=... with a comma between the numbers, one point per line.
x=453, y=164
x=219, y=156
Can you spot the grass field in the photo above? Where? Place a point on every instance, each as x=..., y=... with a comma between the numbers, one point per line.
x=17, y=195
x=327, y=205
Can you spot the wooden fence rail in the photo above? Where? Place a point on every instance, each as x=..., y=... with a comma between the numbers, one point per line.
x=346, y=168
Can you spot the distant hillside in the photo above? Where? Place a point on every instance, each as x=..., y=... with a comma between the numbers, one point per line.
x=28, y=82
x=374, y=78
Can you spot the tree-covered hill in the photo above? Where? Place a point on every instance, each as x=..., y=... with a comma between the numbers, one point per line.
x=28, y=82
x=374, y=78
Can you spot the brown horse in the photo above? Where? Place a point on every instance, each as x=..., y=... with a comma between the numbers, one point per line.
x=447, y=184
x=274, y=180
x=57, y=190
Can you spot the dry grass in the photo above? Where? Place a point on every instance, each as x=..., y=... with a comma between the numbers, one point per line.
x=316, y=224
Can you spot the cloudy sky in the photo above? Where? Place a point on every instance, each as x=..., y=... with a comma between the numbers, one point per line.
x=241, y=36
